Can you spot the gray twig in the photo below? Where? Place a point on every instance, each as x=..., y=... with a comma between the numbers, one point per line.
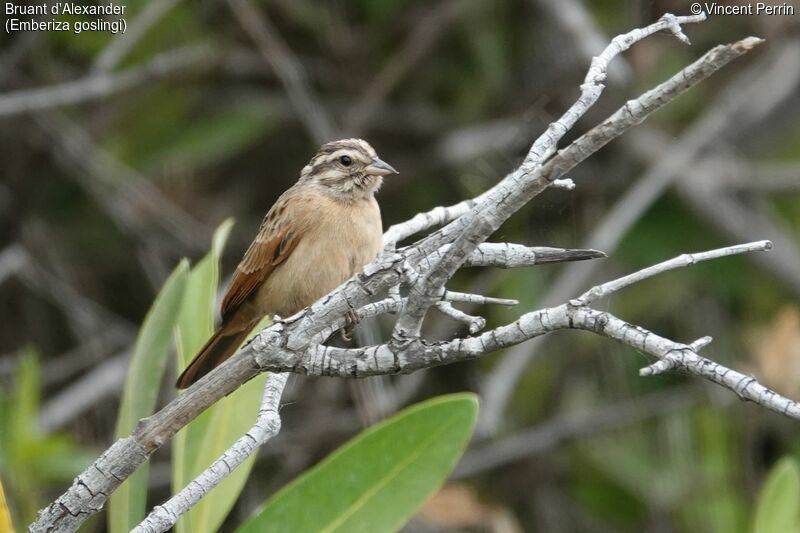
x=319, y=124
x=295, y=343
x=423, y=38
x=668, y=160
x=123, y=43
x=129, y=199
x=102, y=84
x=266, y=426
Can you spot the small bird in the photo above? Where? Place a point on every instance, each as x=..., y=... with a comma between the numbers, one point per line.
x=319, y=233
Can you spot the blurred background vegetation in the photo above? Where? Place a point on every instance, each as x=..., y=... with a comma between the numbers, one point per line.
x=119, y=155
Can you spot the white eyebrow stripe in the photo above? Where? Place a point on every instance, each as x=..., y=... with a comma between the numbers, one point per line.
x=348, y=151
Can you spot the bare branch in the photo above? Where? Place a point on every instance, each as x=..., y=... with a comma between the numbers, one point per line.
x=505, y=255
x=294, y=344
x=601, y=291
x=267, y=425
x=288, y=69
x=531, y=184
x=735, y=219
x=12, y=259
x=123, y=43
x=102, y=84
x=477, y=299
x=767, y=177
x=423, y=221
x=526, y=182
x=85, y=316
x=129, y=199
x=416, y=353
x=103, y=381
x=668, y=161
x=423, y=38
x=669, y=362
x=576, y=22
x=554, y=432
x=474, y=323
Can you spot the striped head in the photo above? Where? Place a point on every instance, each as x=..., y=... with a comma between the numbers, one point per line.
x=349, y=168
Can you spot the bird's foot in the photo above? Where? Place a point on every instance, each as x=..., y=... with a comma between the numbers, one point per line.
x=351, y=320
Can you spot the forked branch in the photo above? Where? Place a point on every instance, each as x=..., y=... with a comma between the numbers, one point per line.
x=409, y=281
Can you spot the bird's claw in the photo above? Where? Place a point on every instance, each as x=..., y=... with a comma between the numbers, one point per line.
x=351, y=321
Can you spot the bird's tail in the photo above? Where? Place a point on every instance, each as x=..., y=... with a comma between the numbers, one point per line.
x=219, y=347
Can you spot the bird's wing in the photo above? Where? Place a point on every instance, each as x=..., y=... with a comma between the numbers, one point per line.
x=278, y=236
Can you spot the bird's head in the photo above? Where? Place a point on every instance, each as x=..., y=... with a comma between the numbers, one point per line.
x=349, y=168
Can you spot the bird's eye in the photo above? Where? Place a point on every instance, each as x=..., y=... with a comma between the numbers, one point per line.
x=345, y=160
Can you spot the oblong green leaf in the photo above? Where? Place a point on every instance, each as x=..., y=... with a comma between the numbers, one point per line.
x=778, y=507
x=212, y=138
x=146, y=370
x=195, y=326
x=207, y=437
x=230, y=418
x=378, y=480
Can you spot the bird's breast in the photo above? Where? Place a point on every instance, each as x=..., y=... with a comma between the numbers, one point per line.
x=339, y=240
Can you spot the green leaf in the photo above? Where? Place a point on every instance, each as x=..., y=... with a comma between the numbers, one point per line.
x=230, y=418
x=716, y=448
x=778, y=507
x=207, y=437
x=26, y=399
x=30, y=460
x=195, y=326
x=213, y=138
x=378, y=480
x=196, y=320
x=127, y=505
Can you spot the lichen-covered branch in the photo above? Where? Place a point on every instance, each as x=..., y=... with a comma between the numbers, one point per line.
x=601, y=291
x=510, y=194
x=267, y=425
x=408, y=281
x=418, y=353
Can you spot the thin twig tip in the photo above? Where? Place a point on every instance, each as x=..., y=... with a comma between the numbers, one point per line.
x=748, y=43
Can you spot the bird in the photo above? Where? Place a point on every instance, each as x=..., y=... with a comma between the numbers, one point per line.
x=319, y=233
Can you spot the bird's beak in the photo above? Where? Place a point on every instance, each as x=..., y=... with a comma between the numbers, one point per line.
x=380, y=168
